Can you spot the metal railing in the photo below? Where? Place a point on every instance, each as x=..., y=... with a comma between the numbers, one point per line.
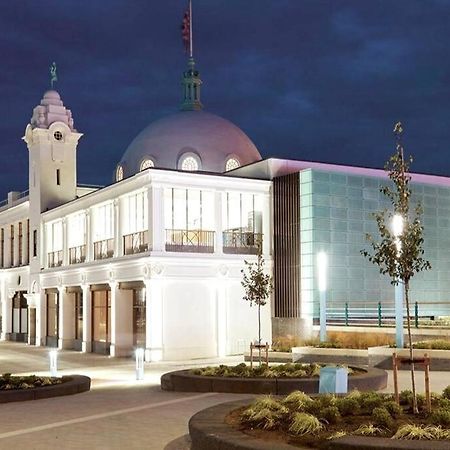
x=135, y=243
x=77, y=255
x=104, y=249
x=242, y=242
x=382, y=314
x=24, y=194
x=196, y=241
x=55, y=259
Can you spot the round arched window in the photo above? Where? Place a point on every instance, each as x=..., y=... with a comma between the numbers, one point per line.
x=147, y=164
x=119, y=173
x=190, y=162
x=232, y=163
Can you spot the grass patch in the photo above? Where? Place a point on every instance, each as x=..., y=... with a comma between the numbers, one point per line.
x=435, y=344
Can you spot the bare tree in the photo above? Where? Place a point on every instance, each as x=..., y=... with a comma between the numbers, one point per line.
x=257, y=286
x=399, y=255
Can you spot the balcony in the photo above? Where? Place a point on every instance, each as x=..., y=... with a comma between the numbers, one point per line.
x=55, y=259
x=242, y=242
x=104, y=249
x=77, y=255
x=135, y=243
x=195, y=241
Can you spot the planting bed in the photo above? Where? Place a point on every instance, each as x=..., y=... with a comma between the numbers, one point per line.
x=277, y=383
x=300, y=422
x=18, y=389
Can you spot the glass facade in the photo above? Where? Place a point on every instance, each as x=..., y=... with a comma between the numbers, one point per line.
x=52, y=314
x=335, y=211
x=101, y=316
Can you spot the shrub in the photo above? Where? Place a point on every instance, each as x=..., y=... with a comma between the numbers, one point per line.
x=421, y=401
x=330, y=414
x=406, y=397
x=265, y=412
x=393, y=409
x=443, y=403
x=436, y=344
x=285, y=343
x=348, y=405
x=303, y=423
x=297, y=401
x=382, y=418
x=370, y=400
x=440, y=416
x=446, y=393
x=417, y=432
x=368, y=430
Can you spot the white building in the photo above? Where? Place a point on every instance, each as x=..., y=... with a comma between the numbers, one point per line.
x=153, y=260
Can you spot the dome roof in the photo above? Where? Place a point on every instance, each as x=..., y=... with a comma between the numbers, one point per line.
x=211, y=139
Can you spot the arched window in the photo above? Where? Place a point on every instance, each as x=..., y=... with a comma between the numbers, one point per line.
x=119, y=173
x=232, y=163
x=147, y=164
x=189, y=162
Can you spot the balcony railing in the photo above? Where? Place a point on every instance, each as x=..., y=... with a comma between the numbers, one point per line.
x=196, y=241
x=77, y=254
x=135, y=243
x=104, y=249
x=55, y=259
x=242, y=242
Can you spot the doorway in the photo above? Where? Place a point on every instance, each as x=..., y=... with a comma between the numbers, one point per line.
x=101, y=321
x=52, y=336
x=139, y=318
x=19, y=318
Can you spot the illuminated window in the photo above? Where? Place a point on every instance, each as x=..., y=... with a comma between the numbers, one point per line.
x=232, y=163
x=147, y=164
x=189, y=163
x=119, y=173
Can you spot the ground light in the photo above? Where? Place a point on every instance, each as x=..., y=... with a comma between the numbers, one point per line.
x=397, y=230
x=139, y=363
x=53, y=355
x=322, y=264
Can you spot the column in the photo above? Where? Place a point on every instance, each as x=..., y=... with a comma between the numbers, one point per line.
x=66, y=324
x=89, y=236
x=25, y=243
x=218, y=222
x=41, y=318
x=86, y=345
x=65, y=243
x=121, y=321
x=149, y=218
x=16, y=245
x=154, y=320
x=221, y=296
x=156, y=224
x=7, y=258
x=6, y=311
x=117, y=229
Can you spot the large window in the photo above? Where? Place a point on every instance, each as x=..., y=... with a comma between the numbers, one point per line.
x=101, y=316
x=54, y=243
x=52, y=314
x=79, y=315
x=139, y=317
x=135, y=213
x=103, y=217
x=76, y=229
x=20, y=244
x=19, y=313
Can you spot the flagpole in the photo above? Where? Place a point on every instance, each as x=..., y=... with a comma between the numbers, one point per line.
x=191, y=52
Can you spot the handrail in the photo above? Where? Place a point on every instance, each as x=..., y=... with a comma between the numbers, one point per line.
x=135, y=242
x=104, y=249
x=197, y=241
x=55, y=259
x=77, y=254
x=243, y=242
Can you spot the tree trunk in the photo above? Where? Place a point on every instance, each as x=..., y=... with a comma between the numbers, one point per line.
x=408, y=322
x=259, y=332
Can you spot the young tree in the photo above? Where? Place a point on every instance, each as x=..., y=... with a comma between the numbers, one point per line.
x=399, y=254
x=257, y=286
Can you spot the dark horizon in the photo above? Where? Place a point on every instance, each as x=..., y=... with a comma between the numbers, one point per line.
x=312, y=80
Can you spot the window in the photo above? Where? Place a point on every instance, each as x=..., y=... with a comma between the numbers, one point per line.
x=103, y=217
x=78, y=315
x=54, y=236
x=232, y=163
x=76, y=229
x=35, y=243
x=147, y=164
x=58, y=135
x=101, y=316
x=58, y=178
x=20, y=243
x=135, y=217
x=2, y=247
x=19, y=320
x=243, y=212
x=189, y=162
x=119, y=173
x=11, y=243
x=52, y=314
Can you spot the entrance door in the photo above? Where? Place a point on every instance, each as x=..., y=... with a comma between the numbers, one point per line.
x=101, y=322
x=78, y=304
x=19, y=320
x=52, y=319
x=139, y=322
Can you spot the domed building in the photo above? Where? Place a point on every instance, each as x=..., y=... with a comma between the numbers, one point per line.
x=192, y=139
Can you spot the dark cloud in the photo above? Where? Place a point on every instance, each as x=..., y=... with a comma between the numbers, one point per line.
x=306, y=79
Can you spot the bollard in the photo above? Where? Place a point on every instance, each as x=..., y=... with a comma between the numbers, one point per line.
x=53, y=354
x=346, y=314
x=416, y=315
x=379, y=314
x=139, y=363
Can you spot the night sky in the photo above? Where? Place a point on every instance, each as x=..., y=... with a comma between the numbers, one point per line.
x=305, y=79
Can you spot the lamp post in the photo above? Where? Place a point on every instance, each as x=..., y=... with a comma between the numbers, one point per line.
x=397, y=229
x=53, y=354
x=322, y=282
x=139, y=363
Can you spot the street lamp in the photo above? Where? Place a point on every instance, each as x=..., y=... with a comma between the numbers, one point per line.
x=397, y=230
x=53, y=355
x=322, y=264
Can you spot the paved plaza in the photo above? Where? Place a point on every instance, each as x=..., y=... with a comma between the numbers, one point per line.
x=118, y=412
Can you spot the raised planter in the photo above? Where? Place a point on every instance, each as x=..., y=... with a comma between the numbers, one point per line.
x=209, y=431
x=75, y=385
x=381, y=357
x=184, y=381
x=346, y=356
x=274, y=357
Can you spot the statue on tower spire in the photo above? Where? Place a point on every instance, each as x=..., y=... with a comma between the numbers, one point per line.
x=191, y=77
x=53, y=75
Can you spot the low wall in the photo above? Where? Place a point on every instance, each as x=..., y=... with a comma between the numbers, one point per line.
x=75, y=385
x=346, y=356
x=184, y=381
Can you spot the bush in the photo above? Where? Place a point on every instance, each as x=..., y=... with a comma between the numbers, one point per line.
x=441, y=417
x=393, y=409
x=348, y=406
x=370, y=400
x=406, y=397
x=298, y=401
x=446, y=393
x=303, y=423
x=368, y=430
x=417, y=432
x=265, y=412
x=382, y=418
x=436, y=344
x=330, y=414
x=285, y=343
